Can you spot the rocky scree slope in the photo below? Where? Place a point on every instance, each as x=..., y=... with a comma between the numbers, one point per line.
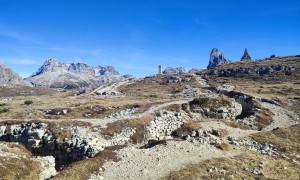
x=10, y=78
x=70, y=75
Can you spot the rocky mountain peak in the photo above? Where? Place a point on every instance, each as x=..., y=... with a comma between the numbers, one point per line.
x=246, y=56
x=217, y=59
x=107, y=70
x=73, y=75
x=10, y=78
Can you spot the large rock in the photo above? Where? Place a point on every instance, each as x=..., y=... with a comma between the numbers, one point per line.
x=73, y=75
x=246, y=56
x=47, y=167
x=10, y=78
x=177, y=70
x=217, y=59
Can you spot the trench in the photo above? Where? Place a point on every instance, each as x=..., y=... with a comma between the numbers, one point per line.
x=40, y=141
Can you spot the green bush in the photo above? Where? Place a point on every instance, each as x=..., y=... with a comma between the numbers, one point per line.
x=2, y=104
x=200, y=100
x=157, y=114
x=4, y=110
x=28, y=102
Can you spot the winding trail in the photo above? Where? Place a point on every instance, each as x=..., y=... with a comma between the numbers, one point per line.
x=111, y=87
x=280, y=119
x=102, y=122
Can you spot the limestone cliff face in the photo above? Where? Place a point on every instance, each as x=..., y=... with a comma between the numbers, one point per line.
x=73, y=75
x=217, y=59
x=10, y=78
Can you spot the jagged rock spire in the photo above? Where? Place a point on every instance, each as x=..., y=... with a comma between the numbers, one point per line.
x=246, y=56
x=217, y=59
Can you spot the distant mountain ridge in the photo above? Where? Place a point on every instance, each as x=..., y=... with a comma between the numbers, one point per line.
x=73, y=75
x=9, y=78
x=52, y=65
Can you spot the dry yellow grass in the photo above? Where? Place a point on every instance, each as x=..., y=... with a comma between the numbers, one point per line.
x=83, y=169
x=235, y=168
x=138, y=124
x=224, y=146
x=19, y=166
x=286, y=139
x=288, y=142
x=156, y=87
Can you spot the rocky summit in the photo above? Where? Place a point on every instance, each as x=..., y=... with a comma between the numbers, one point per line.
x=246, y=56
x=217, y=59
x=73, y=75
x=10, y=78
x=177, y=70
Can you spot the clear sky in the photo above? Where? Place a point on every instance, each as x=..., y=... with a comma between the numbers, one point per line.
x=136, y=36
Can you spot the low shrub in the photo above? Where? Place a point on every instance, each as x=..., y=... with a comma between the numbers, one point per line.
x=200, y=100
x=158, y=114
x=28, y=102
x=4, y=110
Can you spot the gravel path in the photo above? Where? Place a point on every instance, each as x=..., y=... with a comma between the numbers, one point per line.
x=159, y=161
x=233, y=132
x=281, y=118
x=111, y=87
x=102, y=122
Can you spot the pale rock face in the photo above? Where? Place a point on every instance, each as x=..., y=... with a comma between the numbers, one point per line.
x=10, y=78
x=47, y=167
x=217, y=59
x=171, y=70
x=73, y=75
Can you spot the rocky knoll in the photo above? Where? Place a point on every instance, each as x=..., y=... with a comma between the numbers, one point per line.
x=251, y=70
x=171, y=70
x=10, y=78
x=286, y=64
x=73, y=75
x=217, y=59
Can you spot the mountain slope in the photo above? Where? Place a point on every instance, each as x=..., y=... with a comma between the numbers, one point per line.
x=10, y=78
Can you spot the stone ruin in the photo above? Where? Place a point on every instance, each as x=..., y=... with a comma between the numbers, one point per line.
x=41, y=141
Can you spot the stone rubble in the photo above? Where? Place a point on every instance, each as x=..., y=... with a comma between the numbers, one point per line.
x=225, y=113
x=47, y=167
x=124, y=113
x=163, y=125
x=37, y=137
x=188, y=92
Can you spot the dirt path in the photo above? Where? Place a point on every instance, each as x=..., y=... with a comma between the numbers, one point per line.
x=102, y=122
x=157, y=162
x=281, y=118
x=233, y=132
x=111, y=87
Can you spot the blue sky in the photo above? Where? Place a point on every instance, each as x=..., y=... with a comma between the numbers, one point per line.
x=136, y=36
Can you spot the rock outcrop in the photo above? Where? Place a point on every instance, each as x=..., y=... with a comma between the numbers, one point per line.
x=73, y=75
x=217, y=59
x=40, y=140
x=10, y=78
x=246, y=56
x=251, y=70
x=171, y=70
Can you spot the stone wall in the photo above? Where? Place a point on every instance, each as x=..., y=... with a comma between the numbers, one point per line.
x=37, y=138
x=163, y=125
